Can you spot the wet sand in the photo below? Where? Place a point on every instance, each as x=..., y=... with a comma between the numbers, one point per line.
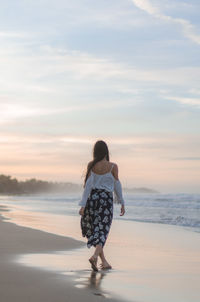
x=151, y=262
x=22, y=283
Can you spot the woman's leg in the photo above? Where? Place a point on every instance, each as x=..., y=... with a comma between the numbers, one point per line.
x=97, y=251
x=104, y=263
x=102, y=256
x=94, y=258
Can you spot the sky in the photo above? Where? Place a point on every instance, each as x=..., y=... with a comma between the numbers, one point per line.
x=124, y=71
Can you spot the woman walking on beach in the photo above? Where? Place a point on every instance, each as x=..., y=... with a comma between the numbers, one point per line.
x=96, y=210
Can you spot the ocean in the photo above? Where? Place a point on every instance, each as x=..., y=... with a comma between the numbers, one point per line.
x=179, y=209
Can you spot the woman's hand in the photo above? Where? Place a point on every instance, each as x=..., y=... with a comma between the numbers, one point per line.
x=81, y=211
x=122, y=210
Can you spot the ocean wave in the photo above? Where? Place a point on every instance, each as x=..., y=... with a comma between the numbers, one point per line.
x=173, y=209
x=179, y=221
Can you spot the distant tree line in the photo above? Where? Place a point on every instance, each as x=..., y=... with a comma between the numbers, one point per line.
x=9, y=185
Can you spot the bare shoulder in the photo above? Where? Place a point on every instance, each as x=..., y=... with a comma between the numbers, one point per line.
x=89, y=164
x=115, y=166
x=115, y=170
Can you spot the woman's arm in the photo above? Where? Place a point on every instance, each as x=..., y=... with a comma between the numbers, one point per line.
x=86, y=193
x=118, y=197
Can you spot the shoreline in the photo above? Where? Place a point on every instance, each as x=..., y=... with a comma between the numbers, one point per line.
x=151, y=262
x=21, y=283
x=16, y=214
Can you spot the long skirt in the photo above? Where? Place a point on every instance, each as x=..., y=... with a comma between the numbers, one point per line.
x=97, y=218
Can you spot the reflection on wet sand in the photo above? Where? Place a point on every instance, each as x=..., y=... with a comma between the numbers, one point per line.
x=95, y=279
x=92, y=281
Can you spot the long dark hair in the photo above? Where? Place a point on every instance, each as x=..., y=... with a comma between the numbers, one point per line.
x=100, y=150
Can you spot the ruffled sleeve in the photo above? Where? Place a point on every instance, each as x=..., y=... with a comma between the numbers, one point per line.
x=118, y=197
x=87, y=190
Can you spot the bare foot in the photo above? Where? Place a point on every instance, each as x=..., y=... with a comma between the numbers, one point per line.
x=93, y=262
x=105, y=265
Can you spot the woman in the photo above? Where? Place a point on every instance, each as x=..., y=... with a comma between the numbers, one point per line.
x=97, y=202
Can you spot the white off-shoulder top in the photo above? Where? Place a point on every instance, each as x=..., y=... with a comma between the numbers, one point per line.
x=102, y=181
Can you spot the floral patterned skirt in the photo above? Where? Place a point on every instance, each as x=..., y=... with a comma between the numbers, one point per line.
x=97, y=218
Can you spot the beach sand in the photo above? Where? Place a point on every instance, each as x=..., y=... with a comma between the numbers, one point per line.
x=151, y=262
x=27, y=284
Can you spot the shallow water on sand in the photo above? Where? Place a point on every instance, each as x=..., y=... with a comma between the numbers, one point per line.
x=151, y=262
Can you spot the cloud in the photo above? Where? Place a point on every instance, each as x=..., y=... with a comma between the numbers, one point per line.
x=194, y=91
x=11, y=34
x=187, y=27
x=9, y=113
x=45, y=72
x=146, y=6
x=142, y=140
x=185, y=101
x=12, y=112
